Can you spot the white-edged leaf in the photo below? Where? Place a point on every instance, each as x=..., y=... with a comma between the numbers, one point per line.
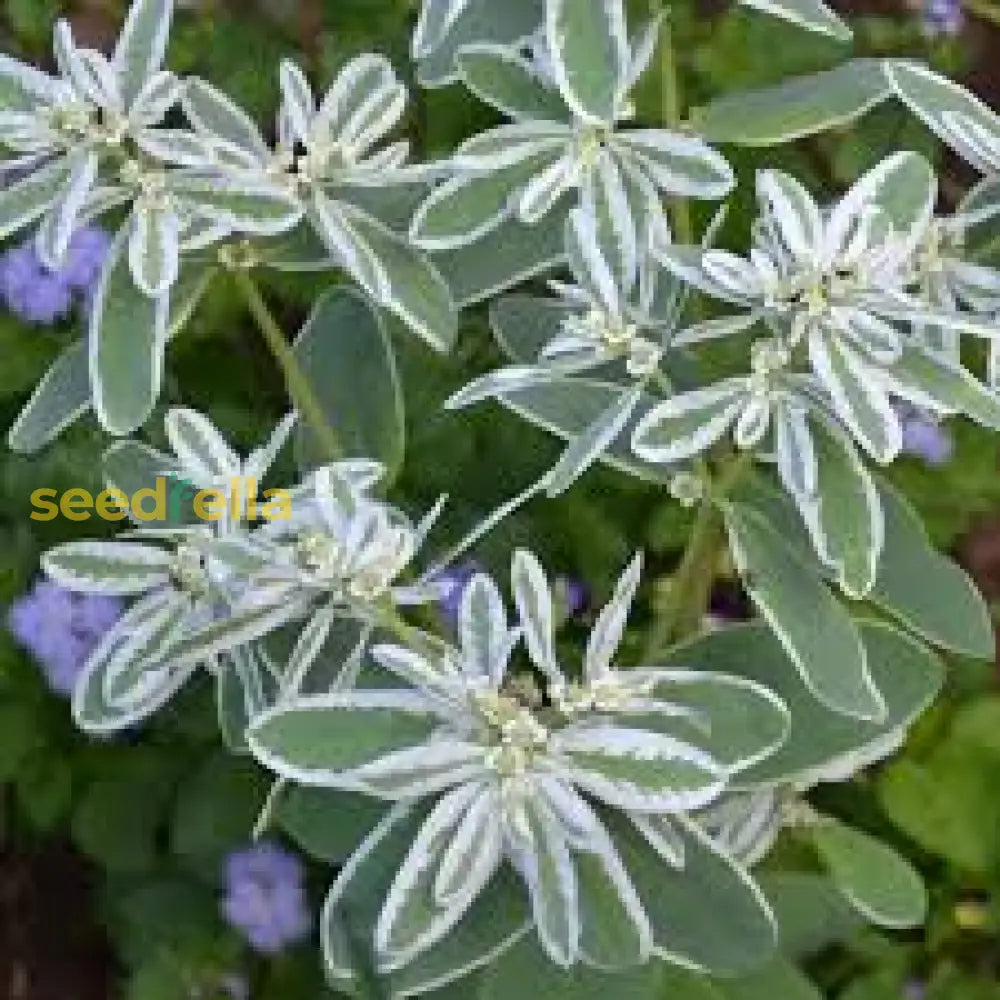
x=240, y=202
x=587, y=448
x=636, y=768
x=814, y=628
x=501, y=77
x=857, y=396
x=939, y=101
x=483, y=630
x=813, y=15
x=794, y=108
x=154, y=249
x=212, y=113
x=127, y=336
x=844, y=516
x=414, y=290
x=687, y=424
x=609, y=629
x=677, y=164
x=117, y=568
x=141, y=45
x=533, y=599
x=202, y=451
x=23, y=202
x=588, y=44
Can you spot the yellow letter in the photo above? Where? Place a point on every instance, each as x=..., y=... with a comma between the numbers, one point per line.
x=47, y=509
x=282, y=500
x=112, y=504
x=159, y=496
x=209, y=505
x=76, y=505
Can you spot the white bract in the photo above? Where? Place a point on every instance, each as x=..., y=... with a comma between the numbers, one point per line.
x=331, y=156
x=516, y=783
x=567, y=142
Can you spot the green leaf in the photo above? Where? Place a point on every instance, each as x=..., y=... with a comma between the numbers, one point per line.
x=216, y=808
x=328, y=824
x=908, y=674
x=350, y=362
x=320, y=737
x=118, y=818
x=809, y=14
x=415, y=290
x=875, y=879
x=924, y=589
x=481, y=20
x=795, y=108
x=846, y=517
x=569, y=407
x=19, y=736
x=467, y=208
x=589, y=50
x=811, y=912
x=938, y=102
x=501, y=77
x=127, y=336
x=507, y=256
x=527, y=969
x=62, y=395
x=815, y=629
x=948, y=805
x=684, y=905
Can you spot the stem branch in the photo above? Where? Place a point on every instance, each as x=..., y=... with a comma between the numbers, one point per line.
x=299, y=386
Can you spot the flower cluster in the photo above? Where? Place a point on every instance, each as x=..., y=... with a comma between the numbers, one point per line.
x=60, y=628
x=39, y=294
x=203, y=589
x=265, y=899
x=521, y=777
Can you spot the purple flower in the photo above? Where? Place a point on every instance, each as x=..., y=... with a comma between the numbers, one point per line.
x=38, y=295
x=265, y=897
x=924, y=437
x=454, y=579
x=943, y=18
x=31, y=292
x=85, y=258
x=61, y=628
x=572, y=596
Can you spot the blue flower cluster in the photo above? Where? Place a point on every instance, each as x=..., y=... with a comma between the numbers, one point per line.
x=38, y=295
x=60, y=629
x=943, y=18
x=266, y=897
x=925, y=438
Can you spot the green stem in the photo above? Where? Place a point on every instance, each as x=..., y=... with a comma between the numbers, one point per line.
x=691, y=585
x=299, y=387
x=671, y=106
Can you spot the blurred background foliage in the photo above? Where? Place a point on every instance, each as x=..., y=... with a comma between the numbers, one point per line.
x=113, y=861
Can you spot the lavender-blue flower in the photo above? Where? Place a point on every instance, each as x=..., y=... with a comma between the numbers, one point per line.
x=61, y=628
x=265, y=897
